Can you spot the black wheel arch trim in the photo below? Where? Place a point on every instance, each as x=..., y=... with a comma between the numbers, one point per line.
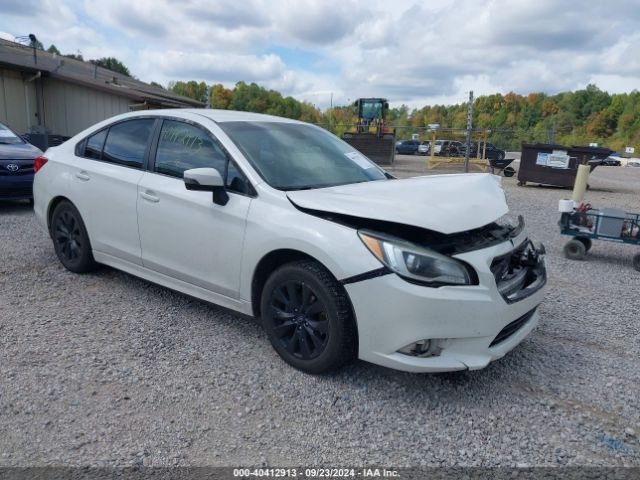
x=378, y=272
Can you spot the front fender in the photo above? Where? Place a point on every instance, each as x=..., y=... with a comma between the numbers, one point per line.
x=279, y=225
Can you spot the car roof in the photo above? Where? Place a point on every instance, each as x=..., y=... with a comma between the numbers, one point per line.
x=218, y=116
x=221, y=116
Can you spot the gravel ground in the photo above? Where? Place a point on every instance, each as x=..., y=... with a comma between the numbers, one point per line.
x=109, y=370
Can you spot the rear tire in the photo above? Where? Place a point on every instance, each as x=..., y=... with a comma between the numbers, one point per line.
x=70, y=239
x=575, y=250
x=307, y=316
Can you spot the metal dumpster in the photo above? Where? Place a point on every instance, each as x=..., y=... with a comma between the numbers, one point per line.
x=549, y=164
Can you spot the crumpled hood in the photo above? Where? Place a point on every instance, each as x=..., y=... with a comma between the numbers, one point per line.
x=442, y=203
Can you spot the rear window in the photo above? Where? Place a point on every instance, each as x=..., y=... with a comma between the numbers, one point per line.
x=127, y=142
x=93, y=147
x=8, y=137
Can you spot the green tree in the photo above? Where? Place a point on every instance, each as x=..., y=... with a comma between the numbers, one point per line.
x=192, y=89
x=53, y=49
x=75, y=56
x=113, y=64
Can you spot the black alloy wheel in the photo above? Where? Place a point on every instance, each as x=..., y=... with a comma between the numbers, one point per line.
x=70, y=239
x=307, y=315
x=300, y=320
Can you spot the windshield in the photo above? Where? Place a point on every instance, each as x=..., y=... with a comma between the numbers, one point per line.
x=293, y=156
x=8, y=137
x=371, y=109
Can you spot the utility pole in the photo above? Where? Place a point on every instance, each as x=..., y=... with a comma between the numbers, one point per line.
x=552, y=133
x=469, y=127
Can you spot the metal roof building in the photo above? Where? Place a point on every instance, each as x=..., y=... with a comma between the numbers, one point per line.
x=43, y=93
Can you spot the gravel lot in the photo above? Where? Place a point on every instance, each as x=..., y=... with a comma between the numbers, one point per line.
x=105, y=369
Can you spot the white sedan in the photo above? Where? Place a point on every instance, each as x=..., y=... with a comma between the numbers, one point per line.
x=283, y=221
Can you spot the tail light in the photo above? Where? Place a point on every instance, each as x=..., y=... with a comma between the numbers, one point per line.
x=38, y=163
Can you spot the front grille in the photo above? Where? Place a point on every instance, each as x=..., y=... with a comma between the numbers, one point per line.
x=512, y=328
x=519, y=273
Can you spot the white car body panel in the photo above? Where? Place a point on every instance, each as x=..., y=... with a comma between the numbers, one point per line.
x=443, y=203
x=181, y=234
x=151, y=226
x=288, y=228
x=113, y=225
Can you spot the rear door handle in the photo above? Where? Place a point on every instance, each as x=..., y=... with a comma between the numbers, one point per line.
x=82, y=175
x=149, y=197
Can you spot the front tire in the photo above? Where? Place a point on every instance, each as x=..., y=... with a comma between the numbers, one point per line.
x=70, y=239
x=307, y=316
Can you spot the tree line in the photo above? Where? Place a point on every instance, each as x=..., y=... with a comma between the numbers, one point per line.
x=570, y=118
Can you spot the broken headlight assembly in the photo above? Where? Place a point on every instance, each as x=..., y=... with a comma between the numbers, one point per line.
x=415, y=263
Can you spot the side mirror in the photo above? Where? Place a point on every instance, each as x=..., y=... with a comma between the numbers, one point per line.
x=206, y=180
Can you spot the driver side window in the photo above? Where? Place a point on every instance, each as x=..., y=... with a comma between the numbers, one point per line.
x=182, y=146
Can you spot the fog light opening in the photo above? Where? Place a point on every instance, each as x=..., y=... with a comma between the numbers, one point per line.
x=422, y=349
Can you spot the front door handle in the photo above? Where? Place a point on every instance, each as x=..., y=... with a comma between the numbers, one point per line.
x=82, y=175
x=149, y=197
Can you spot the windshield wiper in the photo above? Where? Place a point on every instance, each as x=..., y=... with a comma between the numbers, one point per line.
x=320, y=185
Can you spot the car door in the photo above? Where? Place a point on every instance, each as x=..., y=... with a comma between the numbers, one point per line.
x=183, y=233
x=104, y=185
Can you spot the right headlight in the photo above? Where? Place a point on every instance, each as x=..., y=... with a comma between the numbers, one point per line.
x=416, y=263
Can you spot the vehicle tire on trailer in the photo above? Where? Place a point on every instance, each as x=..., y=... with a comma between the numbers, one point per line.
x=575, y=250
x=636, y=262
x=70, y=239
x=307, y=316
x=586, y=241
x=508, y=171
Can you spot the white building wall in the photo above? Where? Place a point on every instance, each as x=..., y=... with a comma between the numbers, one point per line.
x=69, y=109
x=17, y=101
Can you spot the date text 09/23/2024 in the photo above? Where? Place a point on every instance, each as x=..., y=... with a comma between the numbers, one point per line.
x=315, y=472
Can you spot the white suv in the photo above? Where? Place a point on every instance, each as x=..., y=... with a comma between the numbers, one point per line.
x=283, y=221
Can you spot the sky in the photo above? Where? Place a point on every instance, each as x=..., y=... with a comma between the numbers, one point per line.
x=410, y=52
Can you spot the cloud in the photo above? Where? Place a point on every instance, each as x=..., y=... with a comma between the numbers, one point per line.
x=318, y=22
x=227, y=14
x=214, y=67
x=408, y=51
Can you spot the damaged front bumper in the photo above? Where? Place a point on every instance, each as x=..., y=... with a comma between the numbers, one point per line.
x=466, y=326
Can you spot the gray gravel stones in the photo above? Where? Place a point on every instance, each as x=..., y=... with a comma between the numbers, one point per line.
x=105, y=369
